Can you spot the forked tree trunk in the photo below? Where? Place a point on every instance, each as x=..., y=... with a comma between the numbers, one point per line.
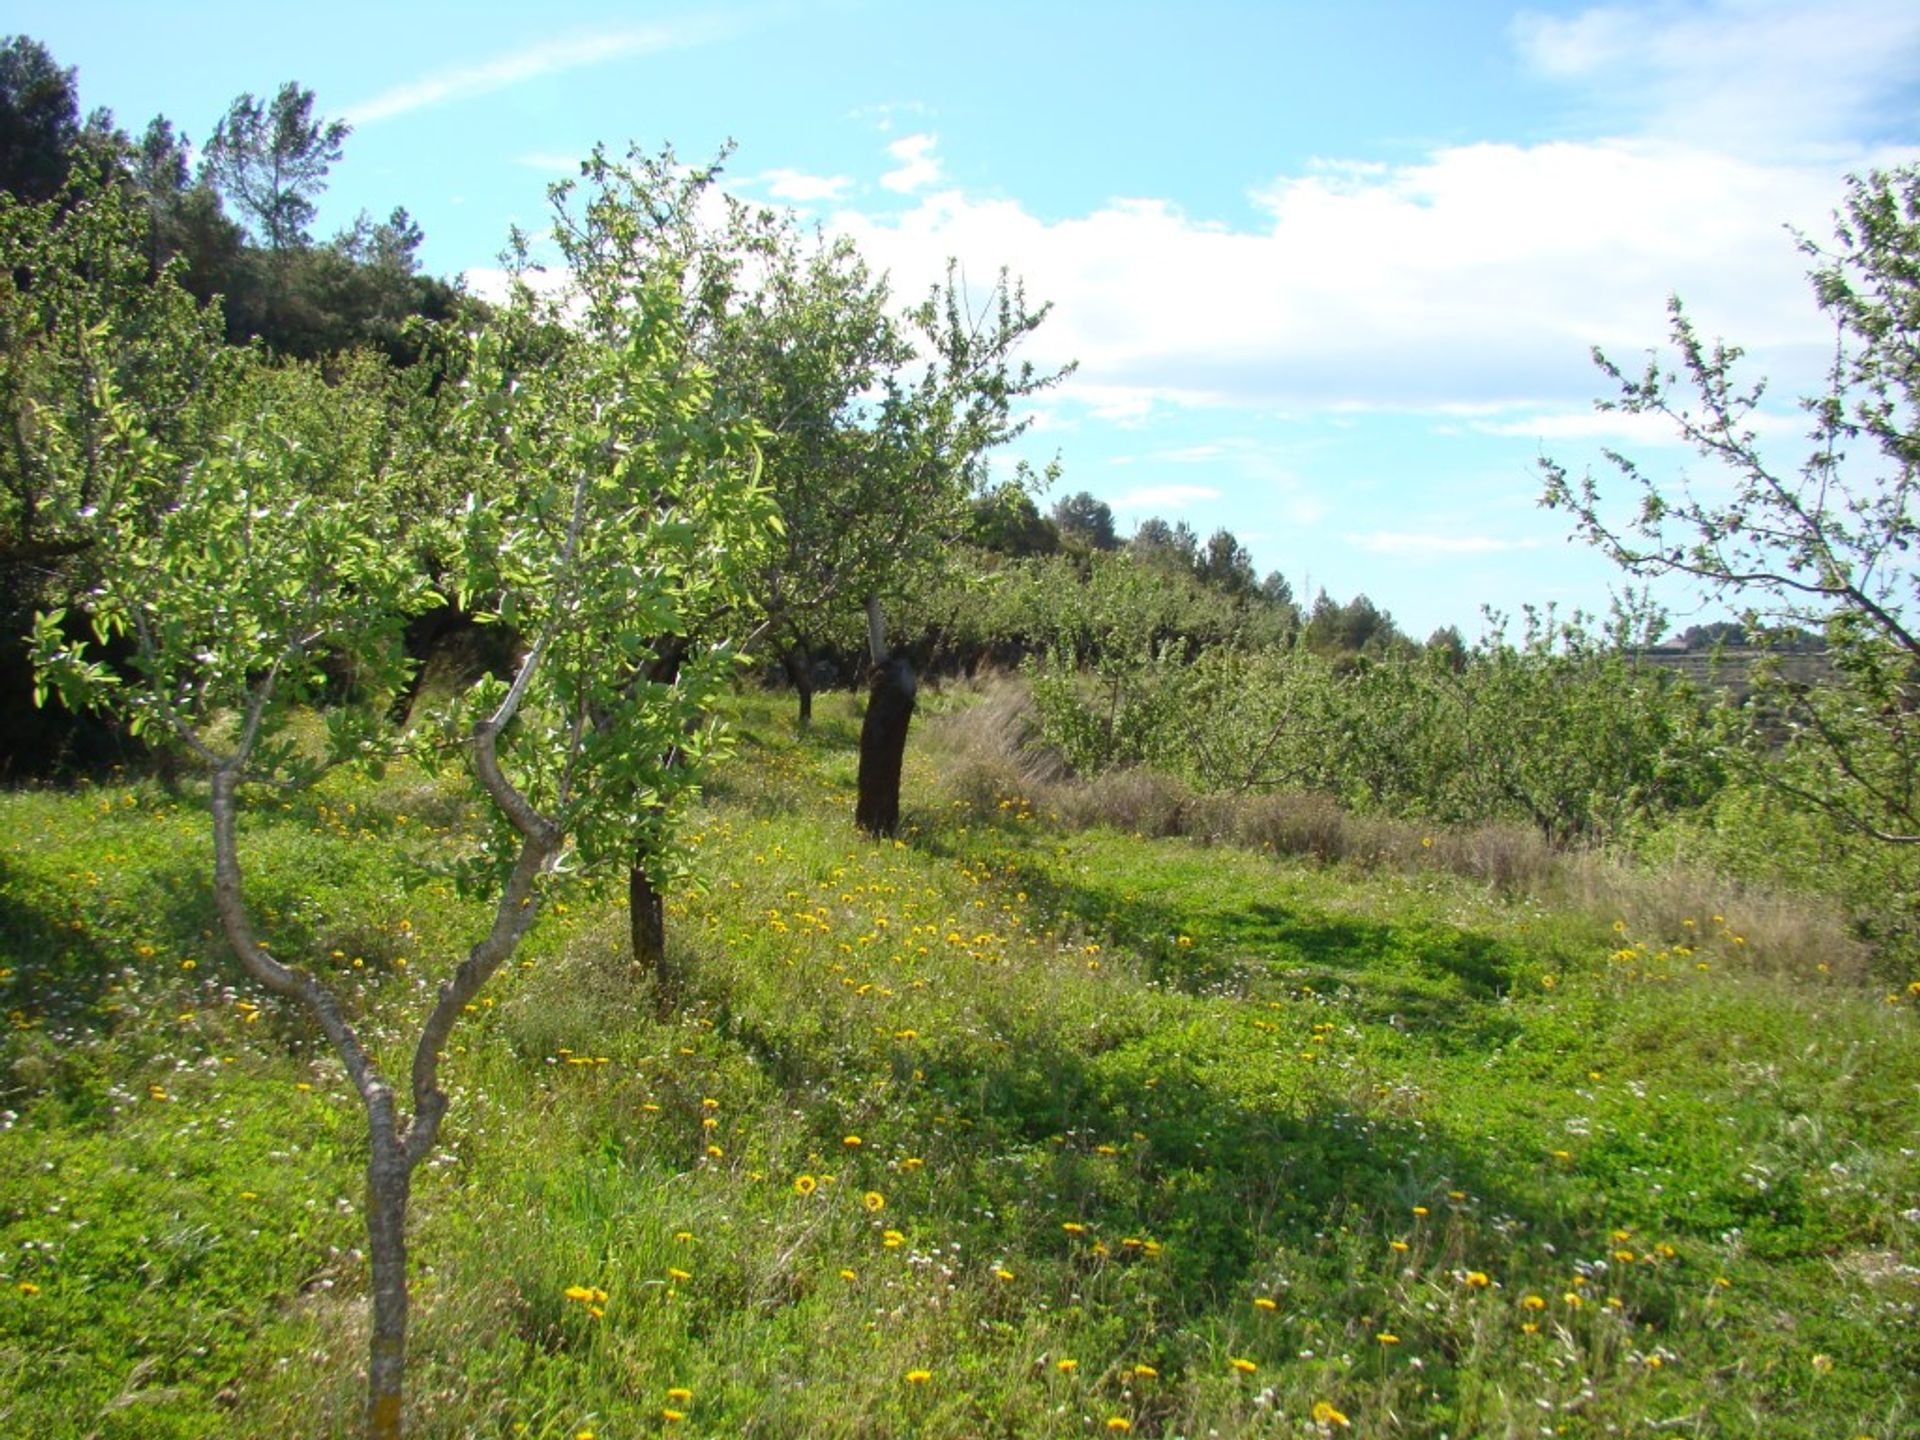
x=389, y=1185
x=883, y=733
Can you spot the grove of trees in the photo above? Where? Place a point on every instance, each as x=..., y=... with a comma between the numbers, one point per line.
x=719, y=439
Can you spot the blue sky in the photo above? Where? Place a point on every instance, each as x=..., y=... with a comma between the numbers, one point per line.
x=1331, y=272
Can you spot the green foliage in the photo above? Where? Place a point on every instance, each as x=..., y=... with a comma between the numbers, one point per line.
x=270, y=159
x=39, y=120
x=1084, y=522
x=615, y=519
x=1562, y=731
x=1822, y=547
x=84, y=325
x=238, y=578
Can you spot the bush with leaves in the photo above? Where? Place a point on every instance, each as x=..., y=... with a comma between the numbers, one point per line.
x=1564, y=731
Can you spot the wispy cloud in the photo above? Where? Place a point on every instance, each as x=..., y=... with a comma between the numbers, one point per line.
x=1743, y=75
x=549, y=162
x=1165, y=497
x=571, y=52
x=1422, y=544
x=1641, y=429
x=881, y=116
x=800, y=188
x=918, y=167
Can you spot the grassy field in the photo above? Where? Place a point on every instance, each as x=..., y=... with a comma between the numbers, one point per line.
x=1007, y=1128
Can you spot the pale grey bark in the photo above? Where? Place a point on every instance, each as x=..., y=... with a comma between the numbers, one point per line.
x=397, y=1142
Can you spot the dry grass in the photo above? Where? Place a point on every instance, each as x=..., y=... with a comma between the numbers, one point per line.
x=998, y=755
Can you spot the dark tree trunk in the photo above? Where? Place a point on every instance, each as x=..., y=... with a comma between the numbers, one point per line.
x=647, y=923
x=799, y=662
x=646, y=908
x=883, y=746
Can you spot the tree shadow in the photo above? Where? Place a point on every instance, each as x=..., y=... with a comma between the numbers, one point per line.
x=1443, y=982
x=59, y=970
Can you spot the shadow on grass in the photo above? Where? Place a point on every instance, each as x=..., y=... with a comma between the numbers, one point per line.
x=1441, y=982
x=1178, y=1172
x=59, y=973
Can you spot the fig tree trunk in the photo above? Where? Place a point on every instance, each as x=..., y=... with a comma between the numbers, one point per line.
x=647, y=925
x=883, y=734
x=799, y=663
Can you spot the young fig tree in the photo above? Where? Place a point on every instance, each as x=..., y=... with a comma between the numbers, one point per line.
x=605, y=502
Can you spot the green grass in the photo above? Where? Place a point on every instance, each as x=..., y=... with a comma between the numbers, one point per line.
x=1142, y=1106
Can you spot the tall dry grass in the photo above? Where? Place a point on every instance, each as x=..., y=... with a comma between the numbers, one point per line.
x=996, y=753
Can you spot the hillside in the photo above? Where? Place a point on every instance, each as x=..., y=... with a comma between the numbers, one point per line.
x=1006, y=1128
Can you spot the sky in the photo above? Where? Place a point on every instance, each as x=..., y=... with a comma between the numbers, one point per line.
x=1332, y=273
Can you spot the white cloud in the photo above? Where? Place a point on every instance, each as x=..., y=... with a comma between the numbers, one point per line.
x=1744, y=75
x=918, y=167
x=1165, y=497
x=800, y=188
x=1424, y=545
x=571, y=52
x=1476, y=277
x=493, y=284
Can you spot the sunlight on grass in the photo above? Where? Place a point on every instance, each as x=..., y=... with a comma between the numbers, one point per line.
x=1001, y=1128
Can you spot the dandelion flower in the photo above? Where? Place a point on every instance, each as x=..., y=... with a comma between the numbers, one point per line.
x=848, y=1275
x=1067, y=1367
x=29, y=1289
x=1534, y=1302
x=892, y=1239
x=874, y=1200
x=919, y=1377
x=1119, y=1423
x=680, y=1395
x=1002, y=1273
x=1146, y=1372
x=850, y=1141
x=671, y=1415
x=1477, y=1280
x=681, y=1276
x=804, y=1184
x=1073, y=1227
x=1245, y=1367
x=1261, y=1302
x=1325, y=1414
x=1387, y=1337
x=1420, y=1210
